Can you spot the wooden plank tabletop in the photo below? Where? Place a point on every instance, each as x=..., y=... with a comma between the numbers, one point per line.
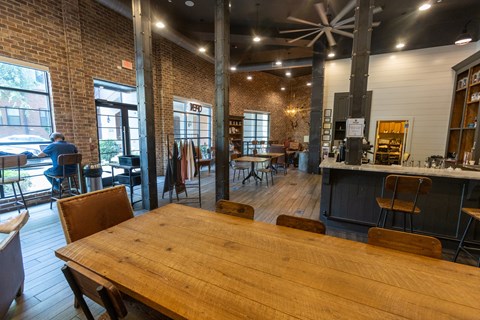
x=194, y=264
x=270, y=154
x=250, y=159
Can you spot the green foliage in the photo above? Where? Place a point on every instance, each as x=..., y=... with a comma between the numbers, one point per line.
x=108, y=150
x=25, y=184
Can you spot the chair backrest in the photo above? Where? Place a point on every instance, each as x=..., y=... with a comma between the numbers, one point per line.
x=87, y=283
x=301, y=223
x=69, y=159
x=92, y=212
x=408, y=184
x=13, y=161
x=235, y=209
x=404, y=241
x=294, y=145
x=278, y=148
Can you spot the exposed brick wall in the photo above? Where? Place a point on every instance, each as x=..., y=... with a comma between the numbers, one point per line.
x=80, y=40
x=302, y=100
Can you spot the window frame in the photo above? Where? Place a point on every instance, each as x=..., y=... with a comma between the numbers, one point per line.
x=248, y=139
x=185, y=135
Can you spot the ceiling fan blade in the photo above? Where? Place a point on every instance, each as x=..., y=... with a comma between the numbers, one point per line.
x=330, y=38
x=304, y=36
x=304, y=21
x=351, y=19
x=343, y=33
x=344, y=11
x=322, y=13
x=315, y=39
x=347, y=26
x=297, y=30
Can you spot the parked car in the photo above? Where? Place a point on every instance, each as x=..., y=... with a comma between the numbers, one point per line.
x=19, y=143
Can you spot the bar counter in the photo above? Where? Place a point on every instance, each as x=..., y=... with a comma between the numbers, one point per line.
x=349, y=192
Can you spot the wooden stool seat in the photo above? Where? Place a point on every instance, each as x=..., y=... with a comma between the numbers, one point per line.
x=399, y=205
x=474, y=214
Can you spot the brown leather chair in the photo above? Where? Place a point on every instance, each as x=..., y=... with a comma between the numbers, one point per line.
x=92, y=212
x=12, y=274
x=235, y=209
x=301, y=223
x=406, y=242
x=87, y=283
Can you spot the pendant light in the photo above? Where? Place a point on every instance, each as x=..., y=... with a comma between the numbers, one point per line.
x=256, y=37
x=464, y=37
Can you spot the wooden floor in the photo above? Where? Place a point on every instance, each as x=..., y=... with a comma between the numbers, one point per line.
x=47, y=295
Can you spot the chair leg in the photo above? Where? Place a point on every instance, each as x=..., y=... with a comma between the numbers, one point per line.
x=379, y=217
x=233, y=175
x=271, y=176
x=51, y=193
x=16, y=198
x=411, y=223
x=78, y=293
x=385, y=218
x=404, y=222
x=460, y=245
x=21, y=195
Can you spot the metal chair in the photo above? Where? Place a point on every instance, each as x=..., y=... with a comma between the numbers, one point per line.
x=11, y=164
x=406, y=187
x=84, y=282
x=301, y=223
x=406, y=242
x=235, y=209
x=238, y=167
x=65, y=160
x=268, y=170
x=474, y=214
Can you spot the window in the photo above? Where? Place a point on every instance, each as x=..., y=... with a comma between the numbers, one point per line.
x=193, y=120
x=25, y=117
x=256, y=126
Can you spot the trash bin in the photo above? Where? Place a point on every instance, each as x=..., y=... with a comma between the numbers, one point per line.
x=93, y=176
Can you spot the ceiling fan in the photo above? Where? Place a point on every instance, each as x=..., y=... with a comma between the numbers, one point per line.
x=337, y=25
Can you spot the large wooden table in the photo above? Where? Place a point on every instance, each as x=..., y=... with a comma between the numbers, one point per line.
x=195, y=264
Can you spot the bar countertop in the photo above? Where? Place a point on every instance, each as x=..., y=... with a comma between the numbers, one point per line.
x=457, y=173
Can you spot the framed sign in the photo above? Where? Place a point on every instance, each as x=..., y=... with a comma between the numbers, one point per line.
x=326, y=137
x=327, y=125
x=326, y=131
x=355, y=127
x=195, y=107
x=327, y=119
x=326, y=144
x=327, y=113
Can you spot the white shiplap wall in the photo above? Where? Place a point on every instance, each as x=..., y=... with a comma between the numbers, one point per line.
x=416, y=85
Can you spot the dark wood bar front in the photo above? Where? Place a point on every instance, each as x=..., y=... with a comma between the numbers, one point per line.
x=349, y=192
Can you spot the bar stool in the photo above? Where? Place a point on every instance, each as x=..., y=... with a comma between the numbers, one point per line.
x=66, y=160
x=474, y=213
x=412, y=186
x=13, y=163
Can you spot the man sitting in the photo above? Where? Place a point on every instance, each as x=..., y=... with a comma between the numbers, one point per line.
x=58, y=147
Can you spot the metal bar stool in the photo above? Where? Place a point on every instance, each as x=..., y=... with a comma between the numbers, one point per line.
x=402, y=186
x=13, y=163
x=66, y=160
x=474, y=213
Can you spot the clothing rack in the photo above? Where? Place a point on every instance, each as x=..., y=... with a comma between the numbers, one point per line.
x=171, y=186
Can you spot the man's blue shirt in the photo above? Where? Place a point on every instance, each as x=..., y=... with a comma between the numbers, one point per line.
x=57, y=148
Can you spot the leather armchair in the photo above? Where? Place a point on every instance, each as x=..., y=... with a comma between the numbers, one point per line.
x=12, y=275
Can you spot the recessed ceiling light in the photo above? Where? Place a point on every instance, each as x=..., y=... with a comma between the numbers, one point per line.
x=257, y=39
x=249, y=77
x=233, y=68
x=400, y=45
x=189, y=3
x=202, y=49
x=463, y=39
x=288, y=73
x=282, y=88
x=331, y=54
x=278, y=63
x=160, y=24
x=309, y=84
x=425, y=6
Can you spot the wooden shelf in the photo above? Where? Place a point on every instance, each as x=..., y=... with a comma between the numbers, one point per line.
x=472, y=102
x=461, y=89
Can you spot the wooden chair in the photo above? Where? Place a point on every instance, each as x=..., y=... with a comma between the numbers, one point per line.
x=66, y=160
x=280, y=161
x=9, y=164
x=406, y=242
x=235, y=209
x=474, y=214
x=92, y=212
x=240, y=167
x=84, y=282
x=301, y=223
x=203, y=161
x=268, y=170
x=407, y=187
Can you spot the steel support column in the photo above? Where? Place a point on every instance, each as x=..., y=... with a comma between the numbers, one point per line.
x=318, y=77
x=359, y=74
x=146, y=116
x=222, y=93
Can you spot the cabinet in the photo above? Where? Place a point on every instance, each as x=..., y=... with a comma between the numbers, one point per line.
x=463, y=132
x=235, y=133
x=390, y=141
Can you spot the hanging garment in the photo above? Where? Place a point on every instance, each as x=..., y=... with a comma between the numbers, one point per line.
x=183, y=166
x=195, y=158
x=177, y=175
x=190, y=162
x=168, y=182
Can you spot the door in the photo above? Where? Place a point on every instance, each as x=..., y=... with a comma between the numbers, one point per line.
x=117, y=131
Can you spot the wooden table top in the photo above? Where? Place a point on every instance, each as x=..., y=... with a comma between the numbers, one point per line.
x=250, y=159
x=194, y=264
x=270, y=154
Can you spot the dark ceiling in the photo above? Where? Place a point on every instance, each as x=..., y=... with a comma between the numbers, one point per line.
x=400, y=21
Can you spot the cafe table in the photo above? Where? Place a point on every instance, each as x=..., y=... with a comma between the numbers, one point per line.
x=252, y=172
x=191, y=263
